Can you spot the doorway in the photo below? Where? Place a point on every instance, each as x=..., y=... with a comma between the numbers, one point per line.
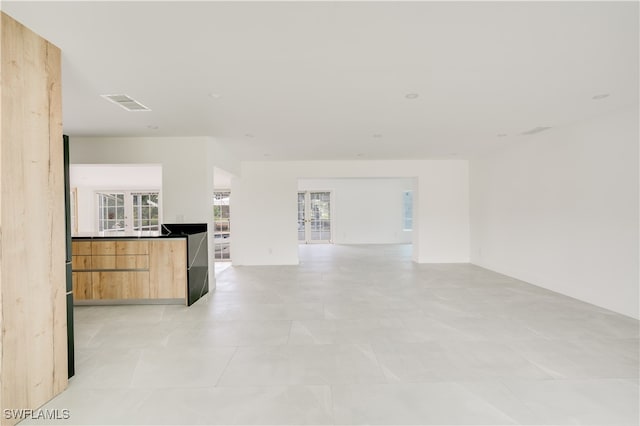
x=222, y=230
x=314, y=217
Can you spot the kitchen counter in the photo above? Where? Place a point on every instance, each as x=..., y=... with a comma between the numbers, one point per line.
x=141, y=267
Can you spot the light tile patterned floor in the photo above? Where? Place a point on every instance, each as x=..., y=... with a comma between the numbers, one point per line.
x=357, y=335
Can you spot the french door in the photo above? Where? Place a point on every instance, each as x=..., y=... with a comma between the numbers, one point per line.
x=222, y=226
x=314, y=217
x=128, y=211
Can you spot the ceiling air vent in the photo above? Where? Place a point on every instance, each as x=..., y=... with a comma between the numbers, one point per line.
x=535, y=130
x=126, y=102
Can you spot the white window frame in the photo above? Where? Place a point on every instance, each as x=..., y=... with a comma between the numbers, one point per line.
x=406, y=219
x=307, y=224
x=128, y=207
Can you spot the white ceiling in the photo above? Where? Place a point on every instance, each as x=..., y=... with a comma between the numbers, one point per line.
x=317, y=80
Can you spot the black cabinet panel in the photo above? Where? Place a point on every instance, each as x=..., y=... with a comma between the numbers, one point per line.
x=70, y=346
x=69, y=278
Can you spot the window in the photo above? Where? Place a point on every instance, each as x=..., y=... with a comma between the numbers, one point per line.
x=110, y=211
x=128, y=211
x=407, y=208
x=145, y=211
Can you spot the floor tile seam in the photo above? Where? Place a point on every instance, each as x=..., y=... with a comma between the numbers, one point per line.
x=289, y=333
x=375, y=355
x=333, y=412
x=135, y=369
x=461, y=385
x=235, y=351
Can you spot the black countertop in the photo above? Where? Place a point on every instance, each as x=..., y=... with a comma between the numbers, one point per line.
x=169, y=230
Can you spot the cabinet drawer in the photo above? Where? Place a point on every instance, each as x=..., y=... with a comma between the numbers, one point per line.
x=120, y=285
x=81, y=248
x=79, y=263
x=132, y=247
x=101, y=248
x=134, y=261
x=103, y=262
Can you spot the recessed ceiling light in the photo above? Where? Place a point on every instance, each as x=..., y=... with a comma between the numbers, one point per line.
x=411, y=95
x=152, y=127
x=600, y=96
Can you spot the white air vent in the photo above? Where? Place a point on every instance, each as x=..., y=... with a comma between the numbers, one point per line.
x=535, y=130
x=126, y=102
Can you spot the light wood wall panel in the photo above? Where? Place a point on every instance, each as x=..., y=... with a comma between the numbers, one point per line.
x=33, y=365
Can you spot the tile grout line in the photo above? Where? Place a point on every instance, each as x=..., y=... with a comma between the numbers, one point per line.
x=235, y=350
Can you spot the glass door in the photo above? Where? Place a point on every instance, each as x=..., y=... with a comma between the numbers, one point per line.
x=314, y=217
x=302, y=223
x=222, y=222
x=128, y=211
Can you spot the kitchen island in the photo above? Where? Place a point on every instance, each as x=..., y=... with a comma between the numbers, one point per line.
x=141, y=267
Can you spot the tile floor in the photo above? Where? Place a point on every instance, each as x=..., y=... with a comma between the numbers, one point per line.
x=356, y=335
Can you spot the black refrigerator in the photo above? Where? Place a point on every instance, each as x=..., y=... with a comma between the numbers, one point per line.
x=69, y=286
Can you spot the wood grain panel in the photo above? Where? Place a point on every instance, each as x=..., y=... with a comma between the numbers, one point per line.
x=79, y=263
x=33, y=363
x=134, y=261
x=103, y=248
x=120, y=285
x=103, y=262
x=81, y=248
x=82, y=289
x=168, y=268
x=132, y=247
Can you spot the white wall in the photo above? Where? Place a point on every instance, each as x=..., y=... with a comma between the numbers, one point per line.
x=264, y=206
x=560, y=210
x=365, y=211
x=89, y=178
x=184, y=161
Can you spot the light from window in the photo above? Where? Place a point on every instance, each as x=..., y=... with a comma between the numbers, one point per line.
x=128, y=211
x=110, y=211
x=407, y=208
x=145, y=211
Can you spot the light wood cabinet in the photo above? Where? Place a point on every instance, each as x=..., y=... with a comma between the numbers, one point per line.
x=130, y=269
x=133, y=261
x=103, y=262
x=81, y=248
x=103, y=248
x=120, y=285
x=81, y=262
x=169, y=278
x=132, y=247
x=82, y=289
